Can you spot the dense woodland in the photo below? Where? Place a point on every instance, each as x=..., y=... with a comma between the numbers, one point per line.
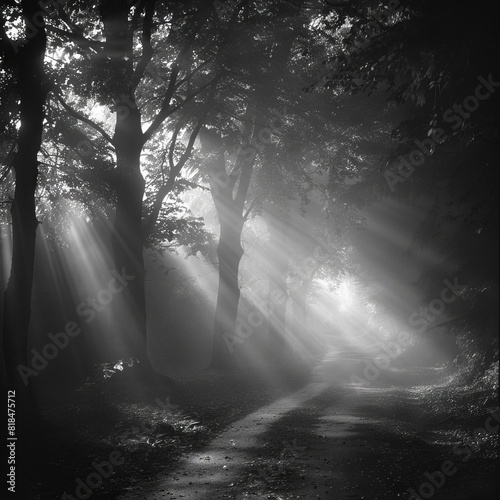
x=193, y=187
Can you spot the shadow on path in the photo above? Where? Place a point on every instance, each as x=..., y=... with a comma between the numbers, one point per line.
x=330, y=440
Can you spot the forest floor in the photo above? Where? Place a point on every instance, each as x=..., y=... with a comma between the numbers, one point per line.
x=311, y=436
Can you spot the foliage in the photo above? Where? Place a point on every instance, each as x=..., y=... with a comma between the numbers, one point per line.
x=104, y=371
x=377, y=49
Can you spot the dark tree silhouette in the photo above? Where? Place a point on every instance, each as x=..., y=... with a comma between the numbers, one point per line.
x=27, y=60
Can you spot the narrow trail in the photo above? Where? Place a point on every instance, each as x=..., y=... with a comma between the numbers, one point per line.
x=331, y=440
x=204, y=474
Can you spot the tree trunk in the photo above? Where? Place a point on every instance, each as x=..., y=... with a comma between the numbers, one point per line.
x=127, y=237
x=231, y=219
x=32, y=89
x=229, y=252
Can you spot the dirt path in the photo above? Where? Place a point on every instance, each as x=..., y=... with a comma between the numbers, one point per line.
x=329, y=440
x=210, y=473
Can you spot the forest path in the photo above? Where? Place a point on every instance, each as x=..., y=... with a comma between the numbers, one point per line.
x=209, y=473
x=330, y=440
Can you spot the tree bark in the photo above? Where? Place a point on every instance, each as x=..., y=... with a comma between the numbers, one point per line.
x=127, y=237
x=32, y=90
x=231, y=220
x=229, y=253
x=129, y=232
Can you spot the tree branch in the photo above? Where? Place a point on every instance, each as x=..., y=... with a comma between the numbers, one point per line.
x=246, y=164
x=79, y=116
x=196, y=92
x=249, y=209
x=173, y=142
x=134, y=24
x=147, y=48
x=192, y=73
x=163, y=114
x=78, y=38
x=175, y=169
x=165, y=109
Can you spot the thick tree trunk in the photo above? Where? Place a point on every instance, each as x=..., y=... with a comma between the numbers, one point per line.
x=229, y=252
x=128, y=245
x=127, y=237
x=31, y=86
x=17, y=297
x=32, y=91
x=128, y=140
